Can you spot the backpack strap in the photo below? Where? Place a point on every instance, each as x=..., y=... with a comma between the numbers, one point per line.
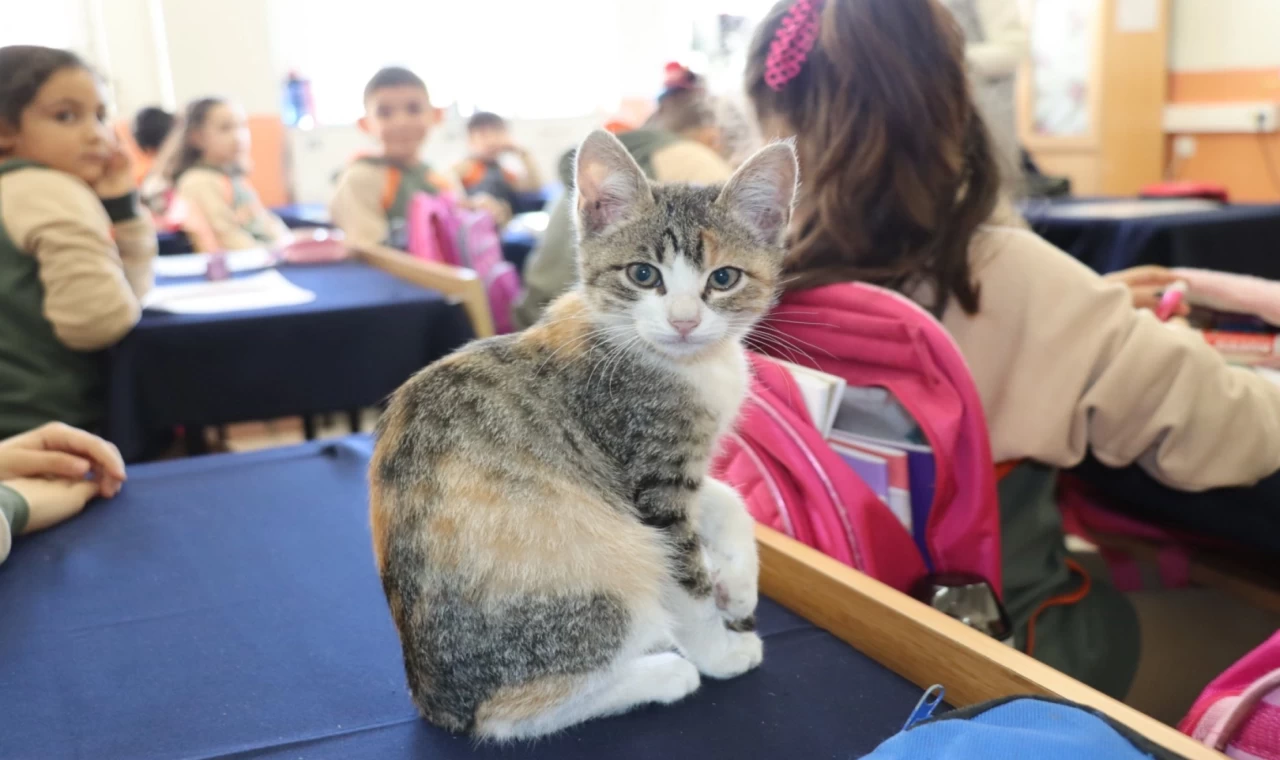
x=472, y=173
x=390, y=186
x=436, y=182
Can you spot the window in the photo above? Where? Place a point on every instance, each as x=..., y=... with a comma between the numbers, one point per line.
x=546, y=59
x=52, y=23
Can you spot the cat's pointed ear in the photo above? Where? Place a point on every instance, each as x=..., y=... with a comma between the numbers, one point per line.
x=608, y=184
x=760, y=194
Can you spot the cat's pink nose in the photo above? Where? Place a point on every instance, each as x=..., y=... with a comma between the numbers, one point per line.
x=685, y=326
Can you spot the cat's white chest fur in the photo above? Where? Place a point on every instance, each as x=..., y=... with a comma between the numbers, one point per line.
x=721, y=383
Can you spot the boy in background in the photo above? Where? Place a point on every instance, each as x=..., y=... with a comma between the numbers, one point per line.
x=372, y=198
x=497, y=166
x=151, y=125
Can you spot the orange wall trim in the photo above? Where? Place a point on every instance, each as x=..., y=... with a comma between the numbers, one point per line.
x=1224, y=86
x=1238, y=161
x=268, y=151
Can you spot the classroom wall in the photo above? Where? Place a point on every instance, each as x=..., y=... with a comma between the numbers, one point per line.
x=1226, y=51
x=169, y=52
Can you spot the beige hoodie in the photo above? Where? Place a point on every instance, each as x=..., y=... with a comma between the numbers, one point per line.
x=1063, y=362
x=94, y=273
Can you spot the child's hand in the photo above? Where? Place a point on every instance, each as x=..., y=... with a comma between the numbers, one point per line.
x=118, y=178
x=61, y=451
x=1146, y=284
x=499, y=210
x=52, y=501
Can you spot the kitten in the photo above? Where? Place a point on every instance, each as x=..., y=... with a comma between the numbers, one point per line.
x=550, y=544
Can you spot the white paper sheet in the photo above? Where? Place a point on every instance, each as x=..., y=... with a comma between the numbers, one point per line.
x=194, y=264
x=1135, y=209
x=1271, y=374
x=260, y=291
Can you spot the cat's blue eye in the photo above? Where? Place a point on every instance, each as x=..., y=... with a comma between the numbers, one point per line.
x=644, y=275
x=725, y=278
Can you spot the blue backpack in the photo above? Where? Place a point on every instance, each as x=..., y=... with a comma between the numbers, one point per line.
x=1018, y=728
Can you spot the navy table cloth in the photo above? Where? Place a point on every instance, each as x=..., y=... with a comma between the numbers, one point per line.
x=365, y=333
x=228, y=607
x=1244, y=239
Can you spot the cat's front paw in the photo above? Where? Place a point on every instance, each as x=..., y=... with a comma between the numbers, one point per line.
x=672, y=678
x=737, y=593
x=741, y=652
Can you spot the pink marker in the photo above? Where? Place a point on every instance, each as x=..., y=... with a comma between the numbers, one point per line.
x=1171, y=299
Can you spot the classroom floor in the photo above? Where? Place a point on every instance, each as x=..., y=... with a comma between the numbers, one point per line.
x=254, y=436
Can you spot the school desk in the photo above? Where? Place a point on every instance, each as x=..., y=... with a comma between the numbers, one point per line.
x=297, y=215
x=365, y=333
x=1234, y=238
x=228, y=606
x=516, y=244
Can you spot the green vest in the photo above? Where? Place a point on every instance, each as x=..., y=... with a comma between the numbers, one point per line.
x=640, y=143
x=403, y=182
x=41, y=380
x=1095, y=639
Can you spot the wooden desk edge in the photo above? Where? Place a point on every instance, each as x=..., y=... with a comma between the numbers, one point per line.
x=925, y=646
x=454, y=282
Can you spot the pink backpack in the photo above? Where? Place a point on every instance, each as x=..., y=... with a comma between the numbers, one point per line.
x=441, y=231
x=1239, y=713
x=794, y=482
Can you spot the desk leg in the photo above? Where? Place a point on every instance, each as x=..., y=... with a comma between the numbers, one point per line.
x=309, y=427
x=353, y=419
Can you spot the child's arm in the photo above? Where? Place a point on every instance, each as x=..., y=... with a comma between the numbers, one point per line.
x=1069, y=365
x=89, y=298
x=531, y=182
x=137, y=243
x=356, y=207
x=452, y=184
x=267, y=219
x=216, y=226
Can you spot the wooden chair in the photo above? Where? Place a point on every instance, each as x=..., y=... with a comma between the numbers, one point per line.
x=1252, y=578
x=925, y=646
x=457, y=283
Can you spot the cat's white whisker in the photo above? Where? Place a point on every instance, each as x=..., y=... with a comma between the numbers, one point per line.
x=792, y=339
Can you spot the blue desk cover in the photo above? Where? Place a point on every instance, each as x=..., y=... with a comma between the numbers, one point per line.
x=1237, y=238
x=365, y=333
x=228, y=607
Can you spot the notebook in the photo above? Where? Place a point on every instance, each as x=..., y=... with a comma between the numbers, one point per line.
x=195, y=264
x=879, y=441
x=822, y=393
x=871, y=469
x=897, y=494
x=266, y=290
x=873, y=417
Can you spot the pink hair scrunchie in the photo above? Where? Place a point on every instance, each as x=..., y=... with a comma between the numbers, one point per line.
x=792, y=44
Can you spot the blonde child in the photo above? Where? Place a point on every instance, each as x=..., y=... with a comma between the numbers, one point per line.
x=222, y=210
x=900, y=189
x=75, y=248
